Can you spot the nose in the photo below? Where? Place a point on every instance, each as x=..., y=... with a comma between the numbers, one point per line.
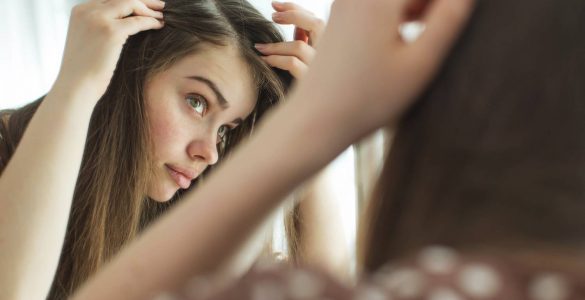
x=204, y=149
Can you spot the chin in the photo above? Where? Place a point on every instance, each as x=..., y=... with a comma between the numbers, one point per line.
x=161, y=200
x=162, y=196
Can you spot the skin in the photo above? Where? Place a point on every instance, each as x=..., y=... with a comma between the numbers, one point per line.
x=186, y=118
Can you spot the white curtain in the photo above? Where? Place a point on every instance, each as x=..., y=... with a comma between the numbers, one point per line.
x=319, y=7
x=32, y=35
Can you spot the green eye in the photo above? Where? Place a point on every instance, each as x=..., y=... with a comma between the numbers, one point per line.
x=198, y=103
x=222, y=133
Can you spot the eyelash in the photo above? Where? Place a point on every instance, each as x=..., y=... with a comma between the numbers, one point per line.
x=191, y=99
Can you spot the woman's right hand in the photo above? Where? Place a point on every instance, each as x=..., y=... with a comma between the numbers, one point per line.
x=97, y=31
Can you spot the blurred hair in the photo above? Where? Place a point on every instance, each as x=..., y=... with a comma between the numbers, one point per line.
x=492, y=155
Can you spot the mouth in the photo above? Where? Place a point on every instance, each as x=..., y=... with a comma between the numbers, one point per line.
x=181, y=179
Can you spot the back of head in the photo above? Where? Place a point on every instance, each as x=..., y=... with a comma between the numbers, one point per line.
x=493, y=153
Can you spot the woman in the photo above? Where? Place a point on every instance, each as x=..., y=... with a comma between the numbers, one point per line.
x=183, y=92
x=489, y=164
x=343, y=97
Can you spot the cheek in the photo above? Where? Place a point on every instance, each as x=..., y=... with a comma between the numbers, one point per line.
x=166, y=134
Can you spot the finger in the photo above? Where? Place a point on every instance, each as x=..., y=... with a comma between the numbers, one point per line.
x=136, y=24
x=301, y=19
x=284, y=6
x=124, y=8
x=444, y=20
x=289, y=63
x=154, y=4
x=297, y=49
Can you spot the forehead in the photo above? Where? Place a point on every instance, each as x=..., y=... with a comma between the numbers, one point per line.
x=222, y=65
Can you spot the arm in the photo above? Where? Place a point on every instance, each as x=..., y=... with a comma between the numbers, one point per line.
x=210, y=233
x=318, y=240
x=246, y=254
x=304, y=134
x=322, y=241
x=37, y=186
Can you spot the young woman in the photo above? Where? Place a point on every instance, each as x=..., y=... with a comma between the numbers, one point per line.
x=344, y=96
x=141, y=108
x=489, y=164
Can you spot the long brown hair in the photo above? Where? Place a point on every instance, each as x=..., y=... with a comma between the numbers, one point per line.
x=492, y=156
x=109, y=206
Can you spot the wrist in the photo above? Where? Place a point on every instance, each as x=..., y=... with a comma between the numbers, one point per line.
x=79, y=91
x=77, y=97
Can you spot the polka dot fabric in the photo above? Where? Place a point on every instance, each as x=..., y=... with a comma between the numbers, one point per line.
x=436, y=273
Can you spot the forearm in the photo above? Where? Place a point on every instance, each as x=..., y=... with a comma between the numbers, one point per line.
x=198, y=236
x=322, y=239
x=247, y=253
x=36, y=191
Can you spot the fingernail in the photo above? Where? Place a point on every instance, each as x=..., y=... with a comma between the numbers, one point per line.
x=163, y=3
x=260, y=46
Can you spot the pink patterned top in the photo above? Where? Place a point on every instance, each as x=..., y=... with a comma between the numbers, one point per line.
x=436, y=273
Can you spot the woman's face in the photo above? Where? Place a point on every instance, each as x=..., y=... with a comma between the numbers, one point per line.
x=191, y=106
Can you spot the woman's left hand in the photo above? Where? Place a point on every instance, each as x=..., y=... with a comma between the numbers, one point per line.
x=293, y=56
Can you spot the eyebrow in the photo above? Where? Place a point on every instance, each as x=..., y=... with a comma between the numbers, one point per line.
x=220, y=98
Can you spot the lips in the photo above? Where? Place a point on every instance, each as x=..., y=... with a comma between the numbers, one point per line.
x=182, y=177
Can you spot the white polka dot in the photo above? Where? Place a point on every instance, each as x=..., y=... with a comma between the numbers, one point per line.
x=438, y=260
x=406, y=282
x=370, y=293
x=549, y=286
x=479, y=280
x=164, y=296
x=304, y=285
x=267, y=290
x=443, y=294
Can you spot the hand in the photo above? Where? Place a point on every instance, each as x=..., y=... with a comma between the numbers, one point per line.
x=366, y=72
x=293, y=56
x=97, y=31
